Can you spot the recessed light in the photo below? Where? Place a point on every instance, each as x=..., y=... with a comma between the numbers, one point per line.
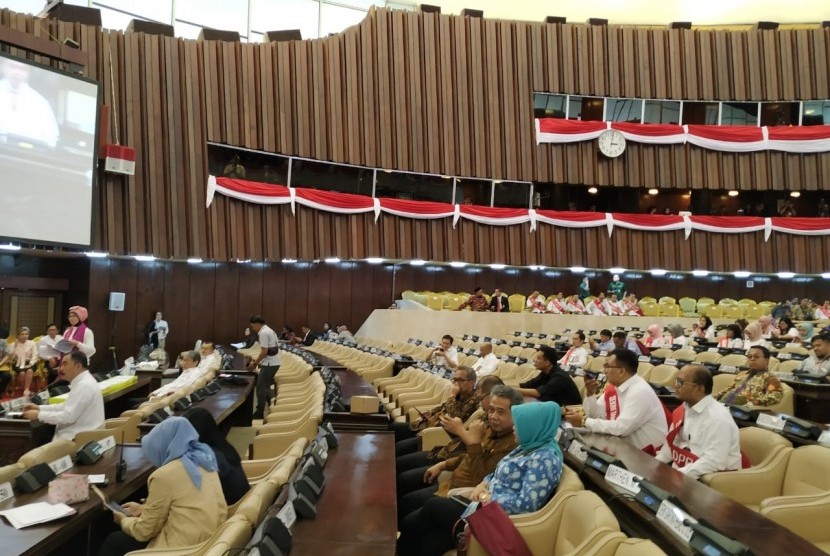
x=616, y=270
x=578, y=269
x=700, y=273
x=826, y=275
x=289, y=260
x=741, y=274
x=458, y=264
x=417, y=262
x=497, y=266
x=593, y=190
x=194, y=260
x=535, y=267
x=653, y=191
x=144, y=258
x=658, y=272
x=9, y=247
x=243, y=261
x=332, y=260
x=374, y=260
x=786, y=275
x=795, y=194
x=96, y=254
x=733, y=193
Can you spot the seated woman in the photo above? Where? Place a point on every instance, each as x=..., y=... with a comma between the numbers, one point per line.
x=523, y=482
x=22, y=355
x=786, y=329
x=184, y=503
x=732, y=338
x=704, y=329
x=654, y=337
x=754, y=334
x=678, y=338
x=804, y=337
x=231, y=475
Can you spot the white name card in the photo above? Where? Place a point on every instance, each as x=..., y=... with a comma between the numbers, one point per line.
x=784, y=356
x=60, y=465
x=644, y=359
x=623, y=478
x=728, y=369
x=603, y=353
x=712, y=350
x=768, y=421
x=107, y=443
x=824, y=438
x=672, y=517
x=577, y=449
x=292, y=493
x=287, y=515
x=672, y=362
x=6, y=491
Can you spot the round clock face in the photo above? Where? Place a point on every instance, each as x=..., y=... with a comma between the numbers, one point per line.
x=611, y=143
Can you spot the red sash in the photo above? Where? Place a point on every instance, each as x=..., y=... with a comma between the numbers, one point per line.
x=567, y=358
x=680, y=456
x=612, y=403
x=559, y=306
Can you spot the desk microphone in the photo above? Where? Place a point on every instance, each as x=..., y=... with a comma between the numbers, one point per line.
x=121, y=466
x=708, y=541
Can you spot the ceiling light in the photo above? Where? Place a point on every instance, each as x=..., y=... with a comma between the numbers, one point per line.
x=658, y=272
x=497, y=266
x=243, y=261
x=95, y=254
x=795, y=194
x=616, y=270
x=417, y=262
x=374, y=260
x=741, y=274
x=826, y=275
x=194, y=260
x=9, y=247
x=786, y=275
x=653, y=191
x=535, y=267
x=593, y=190
x=332, y=260
x=458, y=264
x=733, y=193
x=144, y=258
x=578, y=269
x=289, y=261
x=700, y=273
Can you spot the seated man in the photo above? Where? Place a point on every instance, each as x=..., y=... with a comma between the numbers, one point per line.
x=343, y=333
x=445, y=355
x=83, y=409
x=536, y=302
x=476, y=302
x=462, y=404
x=191, y=372
x=757, y=386
x=628, y=408
x=552, y=384
x=614, y=306
x=703, y=436
x=597, y=307
x=577, y=356
x=621, y=341
x=557, y=305
x=605, y=344
x=210, y=360
x=499, y=302
x=818, y=364
x=485, y=443
x=487, y=363
x=575, y=305
x=632, y=308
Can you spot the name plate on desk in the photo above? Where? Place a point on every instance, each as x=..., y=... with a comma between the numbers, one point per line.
x=644, y=359
x=712, y=350
x=287, y=515
x=107, y=443
x=784, y=356
x=6, y=491
x=60, y=465
x=672, y=517
x=623, y=478
x=824, y=438
x=672, y=362
x=728, y=369
x=771, y=422
x=577, y=450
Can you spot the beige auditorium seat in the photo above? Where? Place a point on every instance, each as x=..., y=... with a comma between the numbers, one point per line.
x=806, y=516
x=47, y=453
x=662, y=352
x=787, y=483
x=255, y=503
x=576, y=522
x=707, y=357
x=721, y=382
x=768, y=453
x=9, y=472
x=233, y=533
x=617, y=544
x=733, y=360
x=261, y=469
x=663, y=375
x=786, y=405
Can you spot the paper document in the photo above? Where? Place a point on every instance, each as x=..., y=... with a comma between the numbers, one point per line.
x=109, y=504
x=39, y=512
x=63, y=346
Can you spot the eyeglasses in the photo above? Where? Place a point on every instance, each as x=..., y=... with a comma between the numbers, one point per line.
x=681, y=382
x=457, y=380
x=606, y=366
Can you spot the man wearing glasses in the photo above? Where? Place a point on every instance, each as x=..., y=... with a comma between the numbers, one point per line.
x=703, y=437
x=628, y=406
x=757, y=386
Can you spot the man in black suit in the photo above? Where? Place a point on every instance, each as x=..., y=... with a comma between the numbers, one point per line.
x=499, y=303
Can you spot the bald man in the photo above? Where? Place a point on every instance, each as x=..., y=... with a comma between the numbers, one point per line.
x=487, y=362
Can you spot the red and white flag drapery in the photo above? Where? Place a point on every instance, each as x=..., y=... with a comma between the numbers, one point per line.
x=349, y=203
x=726, y=138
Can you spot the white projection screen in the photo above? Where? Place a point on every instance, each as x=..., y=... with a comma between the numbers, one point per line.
x=48, y=154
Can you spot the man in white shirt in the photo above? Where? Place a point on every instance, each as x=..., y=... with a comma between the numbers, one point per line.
x=191, y=372
x=24, y=111
x=210, y=358
x=818, y=364
x=343, y=333
x=46, y=351
x=84, y=406
x=268, y=361
x=487, y=362
x=160, y=331
x=628, y=408
x=703, y=437
x=445, y=355
x=614, y=306
x=577, y=356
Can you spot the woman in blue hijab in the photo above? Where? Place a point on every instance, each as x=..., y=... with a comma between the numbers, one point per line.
x=523, y=482
x=184, y=505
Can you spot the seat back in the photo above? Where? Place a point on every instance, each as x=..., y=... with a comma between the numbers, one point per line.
x=760, y=445
x=644, y=370
x=707, y=357
x=517, y=302
x=47, y=453
x=584, y=516
x=733, y=360
x=721, y=382
x=9, y=472
x=787, y=403
x=713, y=311
x=231, y=535
x=807, y=471
x=663, y=375
x=687, y=304
x=255, y=503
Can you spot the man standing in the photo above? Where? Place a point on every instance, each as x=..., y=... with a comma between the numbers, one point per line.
x=158, y=334
x=617, y=287
x=476, y=302
x=268, y=361
x=487, y=362
x=818, y=364
x=552, y=384
x=628, y=408
x=445, y=355
x=83, y=409
x=499, y=302
x=757, y=386
x=703, y=437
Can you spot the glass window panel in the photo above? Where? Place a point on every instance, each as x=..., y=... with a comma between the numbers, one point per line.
x=511, y=194
x=186, y=30
x=335, y=19
x=400, y=185
x=364, y=4
x=469, y=191
x=739, y=113
x=27, y=6
x=215, y=14
x=401, y=5
x=278, y=15
x=331, y=177
x=779, y=113
x=816, y=112
x=585, y=108
x=157, y=10
x=702, y=113
x=548, y=106
x=111, y=19
x=261, y=167
x=662, y=112
x=623, y=110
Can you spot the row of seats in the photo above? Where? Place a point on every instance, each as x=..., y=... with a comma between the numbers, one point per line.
x=368, y=366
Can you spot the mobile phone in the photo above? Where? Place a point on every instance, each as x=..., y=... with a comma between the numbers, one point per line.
x=592, y=375
x=463, y=500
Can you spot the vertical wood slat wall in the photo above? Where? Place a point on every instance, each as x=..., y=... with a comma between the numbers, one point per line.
x=439, y=94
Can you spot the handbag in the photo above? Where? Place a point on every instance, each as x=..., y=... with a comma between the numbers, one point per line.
x=496, y=533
